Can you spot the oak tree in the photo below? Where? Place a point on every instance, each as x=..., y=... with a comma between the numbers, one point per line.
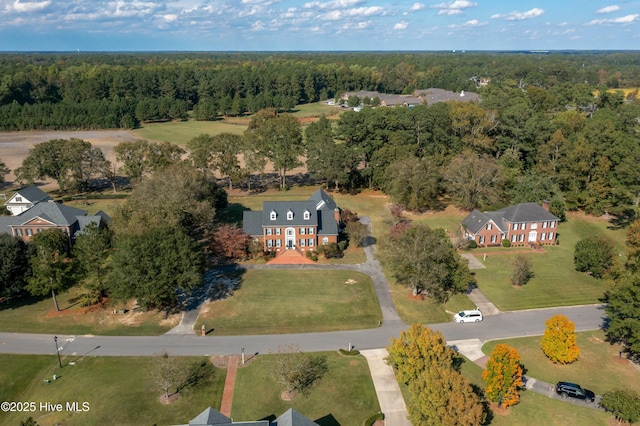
x=50, y=267
x=14, y=265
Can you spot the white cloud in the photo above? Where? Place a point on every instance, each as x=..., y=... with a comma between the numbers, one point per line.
x=416, y=7
x=520, y=16
x=333, y=4
x=454, y=7
x=609, y=9
x=29, y=6
x=170, y=17
x=629, y=19
x=401, y=25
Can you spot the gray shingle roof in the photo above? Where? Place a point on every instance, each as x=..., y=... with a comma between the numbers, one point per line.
x=292, y=418
x=433, y=95
x=33, y=194
x=53, y=212
x=252, y=223
x=210, y=417
x=475, y=221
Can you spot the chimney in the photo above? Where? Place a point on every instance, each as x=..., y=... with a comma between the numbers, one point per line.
x=545, y=205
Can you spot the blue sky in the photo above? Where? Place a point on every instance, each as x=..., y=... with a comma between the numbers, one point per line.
x=281, y=25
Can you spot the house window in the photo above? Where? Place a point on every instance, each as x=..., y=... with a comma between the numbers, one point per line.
x=544, y=224
x=534, y=226
x=290, y=232
x=494, y=238
x=543, y=236
x=489, y=226
x=289, y=215
x=325, y=241
x=277, y=231
x=515, y=226
x=29, y=232
x=273, y=215
x=523, y=226
x=303, y=241
x=268, y=231
x=39, y=230
x=514, y=238
x=303, y=231
x=481, y=239
x=278, y=243
x=521, y=239
x=269, y=243
x=551, y=235
x=18, y=199
x=307, y=215
x=310, y=231
x=553, y=224
x=311, y=242
x=19, y=232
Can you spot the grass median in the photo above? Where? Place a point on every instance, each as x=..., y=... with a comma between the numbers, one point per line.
x=294, y=301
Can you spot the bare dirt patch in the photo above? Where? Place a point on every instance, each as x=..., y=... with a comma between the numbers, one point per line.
x=15, y=146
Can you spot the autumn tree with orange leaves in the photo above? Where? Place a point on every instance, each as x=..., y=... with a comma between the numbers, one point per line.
x=559, y=340
x=503, y=376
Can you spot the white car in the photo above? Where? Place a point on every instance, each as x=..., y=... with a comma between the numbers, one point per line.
x=473, y=315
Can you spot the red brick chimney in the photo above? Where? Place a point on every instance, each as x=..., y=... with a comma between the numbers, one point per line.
x=545, y=205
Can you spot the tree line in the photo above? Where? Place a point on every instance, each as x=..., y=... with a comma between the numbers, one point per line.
x=88, y=91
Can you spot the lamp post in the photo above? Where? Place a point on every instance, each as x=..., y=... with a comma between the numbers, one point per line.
x=242, y=355
x=55, y=339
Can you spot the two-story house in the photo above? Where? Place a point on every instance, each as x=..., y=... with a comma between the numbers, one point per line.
x=25, y=198
x=295, y=225
x=521, y=224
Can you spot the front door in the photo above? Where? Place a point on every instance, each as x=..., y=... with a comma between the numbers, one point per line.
x=533, y=236
x=290, y=234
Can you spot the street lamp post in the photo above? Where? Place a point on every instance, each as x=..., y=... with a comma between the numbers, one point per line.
x=242, y=355
x=55, y=339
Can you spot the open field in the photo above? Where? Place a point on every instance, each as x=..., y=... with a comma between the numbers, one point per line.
x=556, y=282
x=294, y=301
x=117, y=389
x=345, y=396
x=38, y=315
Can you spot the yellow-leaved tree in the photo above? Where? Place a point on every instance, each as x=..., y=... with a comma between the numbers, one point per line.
x=559, y=340
x=503, y=376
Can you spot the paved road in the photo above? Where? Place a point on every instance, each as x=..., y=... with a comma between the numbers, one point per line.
x=504, y=325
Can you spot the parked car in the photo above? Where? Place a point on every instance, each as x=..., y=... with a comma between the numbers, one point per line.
x=571, y=390
x=473, y=315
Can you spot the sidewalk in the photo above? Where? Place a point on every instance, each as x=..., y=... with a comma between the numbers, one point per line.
x=229, y=385
x=387, y=389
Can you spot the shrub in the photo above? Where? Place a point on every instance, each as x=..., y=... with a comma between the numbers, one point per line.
x=506, y=243
x=595, y=254
x=342, y=245
x=623, y=403
x=472, y=244
x=371, y=420
x=330, y=251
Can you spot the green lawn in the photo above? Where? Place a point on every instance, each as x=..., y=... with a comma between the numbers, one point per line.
x=294, y=301
x=344, y=396
x=599, y=367
x=38, y=315
x=556, y=282
x=117, y=389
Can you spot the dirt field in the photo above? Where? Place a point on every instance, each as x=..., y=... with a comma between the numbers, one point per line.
x=15, y=146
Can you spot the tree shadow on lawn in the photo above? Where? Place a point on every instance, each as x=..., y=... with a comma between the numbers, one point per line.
x=20, y=301
x=218, y=284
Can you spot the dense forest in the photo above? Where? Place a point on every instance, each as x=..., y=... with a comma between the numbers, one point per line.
x=110, y=90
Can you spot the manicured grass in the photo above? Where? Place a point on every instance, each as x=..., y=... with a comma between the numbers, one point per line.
x=294, y=301
x=38, y=315
x=92, y=206
x=117, y=389
x=425, y=311
x=181, y=132
x=344, y=396
x=556, y=282
x=599, y=367
x=316, y=109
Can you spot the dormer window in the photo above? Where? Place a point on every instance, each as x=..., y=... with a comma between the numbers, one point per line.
x=307, y=215
x=18, y=199
x=273, y=215
x=289, y=215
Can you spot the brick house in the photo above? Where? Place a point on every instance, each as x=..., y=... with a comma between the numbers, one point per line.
x=521, y=224
x=294, y=225
x=44, y=213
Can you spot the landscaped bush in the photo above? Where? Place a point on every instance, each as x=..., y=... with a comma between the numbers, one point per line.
x=506, y=243
x=330, y=251
x=472, y=244
x=371, y=420
x=342, y=245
